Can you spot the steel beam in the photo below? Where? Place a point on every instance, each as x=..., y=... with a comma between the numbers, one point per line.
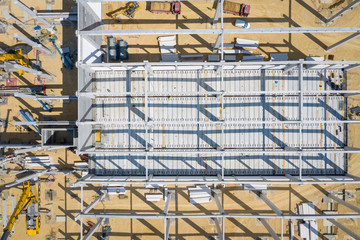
x=343, y=11
x=186, y=180
x=211, y=93
x=32, y=13
x=216, y=199
x=217, y=12
x=93, y=204
x=268, y=202
x=346, y=204
x=215, y=152
x=42, y=123
x=270, y=230
x=344, y=229
x=201, y=65
x=301, y=91
x=245, y=216
x=98, y=32
x=93, y=229
x=32, y=43
x=343, y=41
x=217, y=224
x=217, y=43
x=212, y=123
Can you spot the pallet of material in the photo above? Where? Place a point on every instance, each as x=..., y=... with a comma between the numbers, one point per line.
x=253, y=58
x=199, y=194
x=116, y=190
x=172, y=57
x=279, y=57
x=226, y=45
x=213, y=58
x=231, y=51
x=230, y=57
x=153, y=197
x=246, y=43
x=255, y=187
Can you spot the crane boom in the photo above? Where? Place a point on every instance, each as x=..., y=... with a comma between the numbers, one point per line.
x=24, y=200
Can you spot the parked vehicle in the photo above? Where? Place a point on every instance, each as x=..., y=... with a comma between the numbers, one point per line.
x=242, y=24
x=239, y=9
x=165, y=7
x=112, y=48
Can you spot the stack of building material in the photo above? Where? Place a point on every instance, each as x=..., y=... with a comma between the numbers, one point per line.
x=153, y=197
x=279, y=57
x=254, y=58
x=246, y=43
x=116, y=190
x=80, y=165
x=37, y=161
x=199, y=194
x=167, y=49
x=308, y=229
x=255, y=187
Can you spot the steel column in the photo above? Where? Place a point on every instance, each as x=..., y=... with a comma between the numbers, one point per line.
x=268, y=202
x=217, y=13
x=346, y=204
x=344, y=229
x=93, y=229
x=343, y=11
x=93, y=204
x=270, y=230
x=343, y=41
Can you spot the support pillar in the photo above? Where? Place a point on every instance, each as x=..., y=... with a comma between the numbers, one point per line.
x=346, y=204
x=268, y=202
x=270, y=230
x=345, y=40
x=32, y=13
x=217, y=13
x=217, y=224
x=93, y=229
x=343, y=11
x=92, y=205
x=344, y=229
x=217, y=43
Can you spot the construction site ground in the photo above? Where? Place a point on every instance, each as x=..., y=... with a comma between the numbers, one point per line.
x=263, y=14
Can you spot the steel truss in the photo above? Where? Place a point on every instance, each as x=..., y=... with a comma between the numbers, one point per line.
x=85, y=71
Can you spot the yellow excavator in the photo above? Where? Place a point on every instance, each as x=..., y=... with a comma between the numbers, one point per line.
x=18, y=57
x=129, y=10
x=29, y=200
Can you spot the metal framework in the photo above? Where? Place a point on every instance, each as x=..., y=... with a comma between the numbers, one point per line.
x=87, y=97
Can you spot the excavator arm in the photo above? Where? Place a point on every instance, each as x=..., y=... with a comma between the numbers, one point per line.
x=24, y=199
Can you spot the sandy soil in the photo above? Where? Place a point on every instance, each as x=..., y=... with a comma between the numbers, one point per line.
x=276, y=13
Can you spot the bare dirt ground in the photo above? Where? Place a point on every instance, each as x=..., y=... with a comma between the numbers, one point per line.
x=195, y=14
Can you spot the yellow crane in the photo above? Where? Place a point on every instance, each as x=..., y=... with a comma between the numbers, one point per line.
x=17, y=57
x=29, y=200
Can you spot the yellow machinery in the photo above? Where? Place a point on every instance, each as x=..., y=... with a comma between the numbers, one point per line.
x=18, y=57
x=29, y=200
x=129, y=10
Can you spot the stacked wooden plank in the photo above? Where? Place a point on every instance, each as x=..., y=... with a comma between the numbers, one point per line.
x=167, y=49
x=199, y=194
x=153, y=197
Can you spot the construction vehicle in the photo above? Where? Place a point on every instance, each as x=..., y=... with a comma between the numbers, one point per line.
x=17, y=57
x=65, y=58
x=239, y=9
x=129, y=10
x=165, y=7
x=29, y=200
